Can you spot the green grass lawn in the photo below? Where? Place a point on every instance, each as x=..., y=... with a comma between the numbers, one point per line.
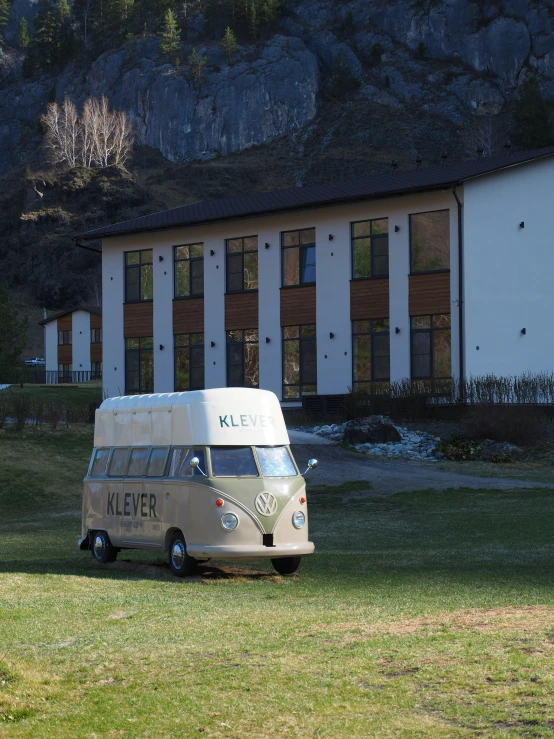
x=420, y=615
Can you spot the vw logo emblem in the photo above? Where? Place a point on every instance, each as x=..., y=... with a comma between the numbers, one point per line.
x=266, y=504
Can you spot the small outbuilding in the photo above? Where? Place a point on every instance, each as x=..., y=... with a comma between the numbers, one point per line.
x=73, y=344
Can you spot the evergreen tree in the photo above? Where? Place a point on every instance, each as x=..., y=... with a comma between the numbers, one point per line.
x=170, y=35
x=23, y=34
x=211, y=17
x=532, y=124
x=13, y=333
x=196, y=64
x=45, y=43
x=4, y=14
x=228, y=44
x=253, y=21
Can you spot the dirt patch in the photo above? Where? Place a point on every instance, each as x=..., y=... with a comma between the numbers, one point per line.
x=522, y=619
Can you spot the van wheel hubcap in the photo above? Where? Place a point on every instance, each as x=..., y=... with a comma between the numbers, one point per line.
x=178, y=555
x=99, y=546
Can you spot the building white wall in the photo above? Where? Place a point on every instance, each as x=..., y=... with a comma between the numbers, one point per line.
x=81, y=341
x=333, y=272
x=51, y=346
x=113, y=344
x=509, y=271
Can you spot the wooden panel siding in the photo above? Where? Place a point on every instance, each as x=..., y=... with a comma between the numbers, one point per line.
x=430, y=294
x=96, y=352
x=65, y=354
x=138, y=319
x=369, y=299
x=241, y=311
x=65, y=322
x=188, y=316
x=297, y=305
x=95, y=321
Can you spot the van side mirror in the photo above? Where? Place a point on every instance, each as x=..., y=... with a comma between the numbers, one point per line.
x=312, y=464
x=195, y=464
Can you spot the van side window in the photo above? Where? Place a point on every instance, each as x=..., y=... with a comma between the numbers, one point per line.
x=156, y=464
x=179, y=463
x=137, y=465
x=119, y=462
x=100, y=462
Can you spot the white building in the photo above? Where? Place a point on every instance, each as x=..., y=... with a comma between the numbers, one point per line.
x=73, y=344
x=436, y=272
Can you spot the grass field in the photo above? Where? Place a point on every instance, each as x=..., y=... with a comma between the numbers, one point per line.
x=420, y=615
x=88, y=392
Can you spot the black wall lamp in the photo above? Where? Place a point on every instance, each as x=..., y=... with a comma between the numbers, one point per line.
x=266, y=245
x=267, y=340
x=212, y=253
x=522, y=224
x=161, y=347
x=331, y=237
x=396, y=229
x=212, y=343
x=160, y=258
x=523, y=331
x=397, y=330
x=331, y=335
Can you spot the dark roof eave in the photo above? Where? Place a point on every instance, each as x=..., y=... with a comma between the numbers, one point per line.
x=270, y=211
x=96, y=310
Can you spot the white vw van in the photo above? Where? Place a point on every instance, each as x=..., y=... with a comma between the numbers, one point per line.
x=203, y=475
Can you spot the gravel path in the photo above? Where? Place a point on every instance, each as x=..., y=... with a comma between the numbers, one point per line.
x=337, y=465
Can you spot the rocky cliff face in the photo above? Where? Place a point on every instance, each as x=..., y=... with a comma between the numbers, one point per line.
x=453, y=58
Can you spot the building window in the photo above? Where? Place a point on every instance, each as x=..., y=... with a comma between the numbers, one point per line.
x=370, y=248
x=189, y=270
x=299, y=361
x=298, y=257
x=242, y=264
x=138, y=276
x=96, y=370
x=430, y=241
x=65, y=372
x=96, y=336
x=139, y=365
x=371, y=352
x=65, y=337
x=189, y=361
x=431, y=352
x=243, y=358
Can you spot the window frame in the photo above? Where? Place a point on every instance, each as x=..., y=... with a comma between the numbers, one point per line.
x=189, y=347
x=128, y=267
x=359, y=384
x=190, y=260
x=139, y=350
x=241, y=253
x=427, y=271
x=154, y=448
x=301, y=256
x=235, y=446
x=94, y=333
x=353, y=239
x=431, y=331
x=300, y=339
x=243, y=343
x=65, y=333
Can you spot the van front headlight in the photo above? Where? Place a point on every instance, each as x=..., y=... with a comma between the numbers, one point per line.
x=298, y=519
x=229, y=521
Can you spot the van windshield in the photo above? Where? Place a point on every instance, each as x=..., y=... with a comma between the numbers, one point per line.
x=275, y=461
x=233, y=461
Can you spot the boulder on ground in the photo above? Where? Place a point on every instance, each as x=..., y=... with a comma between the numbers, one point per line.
x=492, y=450
x=371, y=430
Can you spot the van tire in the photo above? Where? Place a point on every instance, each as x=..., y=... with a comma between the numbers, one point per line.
x=286, y=565
x=103, y=550
x=180, y=563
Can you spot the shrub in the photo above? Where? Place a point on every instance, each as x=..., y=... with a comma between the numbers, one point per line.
x=21, y=407
x=518, y=424
x=459, y=448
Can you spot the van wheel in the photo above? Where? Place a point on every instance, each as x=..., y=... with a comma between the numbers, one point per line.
x=286, y=565
x=179, y=561
x=103, y=550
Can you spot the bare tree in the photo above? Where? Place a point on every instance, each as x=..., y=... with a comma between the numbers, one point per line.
x=99, y=138
x=485, y=135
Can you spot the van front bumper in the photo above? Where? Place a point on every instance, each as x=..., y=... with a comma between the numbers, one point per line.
x=250, y=551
